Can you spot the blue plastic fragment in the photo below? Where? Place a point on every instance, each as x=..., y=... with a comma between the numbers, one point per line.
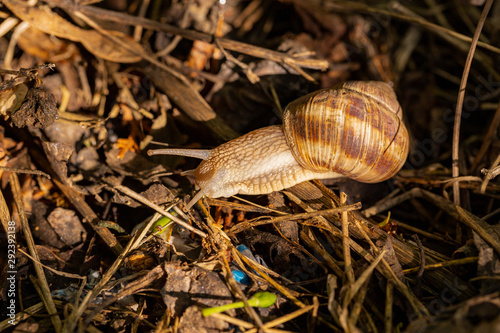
x=240, y=276
x=247, y=253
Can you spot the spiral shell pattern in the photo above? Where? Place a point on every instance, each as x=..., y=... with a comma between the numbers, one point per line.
x=354, y=129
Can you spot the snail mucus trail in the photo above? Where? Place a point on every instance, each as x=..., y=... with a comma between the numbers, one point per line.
x=353, y=130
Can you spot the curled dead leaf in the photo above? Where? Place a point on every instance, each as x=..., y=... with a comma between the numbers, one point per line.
x=45, y=47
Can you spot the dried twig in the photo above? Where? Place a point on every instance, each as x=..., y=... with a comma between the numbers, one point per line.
x=302, y=216
x=125, y=190
x=460, y=101
x=26, y=171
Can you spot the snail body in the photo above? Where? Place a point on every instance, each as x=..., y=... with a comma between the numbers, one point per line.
x=353, y=130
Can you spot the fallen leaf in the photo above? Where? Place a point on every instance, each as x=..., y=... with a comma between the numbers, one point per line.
x=11, y=99
x=45, y=47
x=44, y=19
x=67, y=226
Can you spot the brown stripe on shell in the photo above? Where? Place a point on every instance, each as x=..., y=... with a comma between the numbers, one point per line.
x=355, y=133
x=377, y=90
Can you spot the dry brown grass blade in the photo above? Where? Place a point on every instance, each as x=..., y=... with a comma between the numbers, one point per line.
x=222, y=243
x=25, y=171
x=355, y=291
x=490, y=174
x=391, y=276
x=28, y=313
x=389, y=302
x=460, y=101
x=345, y=242
x=42, y=280
x=300, y=216
x=243, y=324
x=232, y=320
x=131, y=288
x=309, y=238
x=75, y=316
x=55, y=271
x=289, y=294
x=406, y=253
x=287, y=317
x=237, y=291
x=455, y=262
x=4, y=213
x=125, y=190
x=478, y=226
x=456, y=212
x=360, y=281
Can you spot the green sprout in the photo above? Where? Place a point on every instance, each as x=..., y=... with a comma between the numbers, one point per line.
x=160, y=226
x=261, y=299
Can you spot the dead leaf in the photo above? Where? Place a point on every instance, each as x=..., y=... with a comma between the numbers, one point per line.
x=38, y=109
x=192, y=321
x=44, y=19
x=186, y=285
x=67, y=226
x=11, y=99
x=45, y=47
x=58, y=154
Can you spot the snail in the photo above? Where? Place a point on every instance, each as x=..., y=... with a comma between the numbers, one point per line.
x=353, y=130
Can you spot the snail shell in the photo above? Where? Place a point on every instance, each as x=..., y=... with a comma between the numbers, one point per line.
x=354, y=129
